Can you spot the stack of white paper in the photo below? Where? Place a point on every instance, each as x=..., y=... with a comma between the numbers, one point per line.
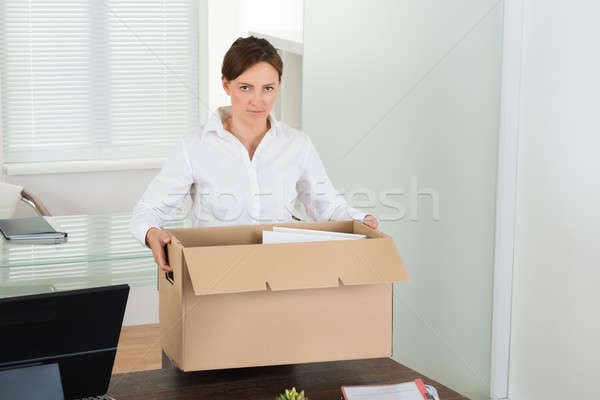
x=401, y=391
x=293, y=235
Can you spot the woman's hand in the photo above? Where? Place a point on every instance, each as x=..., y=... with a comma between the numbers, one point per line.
x=371, y=222
x=156, y=239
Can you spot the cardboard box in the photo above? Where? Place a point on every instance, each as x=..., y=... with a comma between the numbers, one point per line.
x=234, y=302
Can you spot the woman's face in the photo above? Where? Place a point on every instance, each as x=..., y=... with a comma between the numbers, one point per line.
x=253, y=93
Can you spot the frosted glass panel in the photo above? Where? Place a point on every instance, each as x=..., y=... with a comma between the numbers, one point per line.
x=401, y=98
x=99, y=251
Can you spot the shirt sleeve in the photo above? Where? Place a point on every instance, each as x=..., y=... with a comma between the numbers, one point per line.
x=315, y=190
x=164, y=196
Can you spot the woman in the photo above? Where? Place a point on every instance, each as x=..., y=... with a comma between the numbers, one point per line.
x=245, y=166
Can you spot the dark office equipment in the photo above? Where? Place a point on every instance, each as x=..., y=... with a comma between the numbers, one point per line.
x=60, y=344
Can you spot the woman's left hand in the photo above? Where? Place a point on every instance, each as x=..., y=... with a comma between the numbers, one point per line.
x=371, y=222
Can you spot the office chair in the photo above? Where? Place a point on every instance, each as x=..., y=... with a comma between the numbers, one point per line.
x=11, y=194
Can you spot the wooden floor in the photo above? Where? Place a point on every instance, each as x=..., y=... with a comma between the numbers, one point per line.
x=138, y=350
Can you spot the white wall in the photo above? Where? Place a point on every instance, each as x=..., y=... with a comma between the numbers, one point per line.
x=223, y=29
x=403, y=96
x=271, y=15
x=555, y=344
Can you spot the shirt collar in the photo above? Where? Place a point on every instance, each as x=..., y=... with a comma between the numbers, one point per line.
x=215, y=122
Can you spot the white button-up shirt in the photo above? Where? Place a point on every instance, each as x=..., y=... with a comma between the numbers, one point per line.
x=231, y=189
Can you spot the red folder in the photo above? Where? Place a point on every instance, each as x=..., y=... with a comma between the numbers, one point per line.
x=423, y=389
x=418, y=382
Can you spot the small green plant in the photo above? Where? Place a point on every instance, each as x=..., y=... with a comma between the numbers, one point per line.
x=292, y=395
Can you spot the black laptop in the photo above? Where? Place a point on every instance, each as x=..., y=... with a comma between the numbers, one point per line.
x=60, y=345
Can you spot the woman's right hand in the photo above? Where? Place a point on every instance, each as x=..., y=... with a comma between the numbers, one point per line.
x=156, y=239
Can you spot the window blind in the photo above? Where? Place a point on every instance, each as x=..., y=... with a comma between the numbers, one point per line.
x=97, y=79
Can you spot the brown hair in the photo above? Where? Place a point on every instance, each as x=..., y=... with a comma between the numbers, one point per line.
x=245, y=52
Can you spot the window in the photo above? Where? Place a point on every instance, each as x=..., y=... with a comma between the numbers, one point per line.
x=93, y=79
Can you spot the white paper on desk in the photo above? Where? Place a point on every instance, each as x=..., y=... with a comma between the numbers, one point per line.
x=318, y=232
x=270, y=237
x=401, y=391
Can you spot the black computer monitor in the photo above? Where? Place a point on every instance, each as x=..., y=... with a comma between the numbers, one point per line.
x=72, y=335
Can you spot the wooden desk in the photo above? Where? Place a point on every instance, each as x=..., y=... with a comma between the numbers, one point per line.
x=320, y=381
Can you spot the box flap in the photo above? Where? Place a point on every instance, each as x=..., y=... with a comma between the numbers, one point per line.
x=285, y=266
